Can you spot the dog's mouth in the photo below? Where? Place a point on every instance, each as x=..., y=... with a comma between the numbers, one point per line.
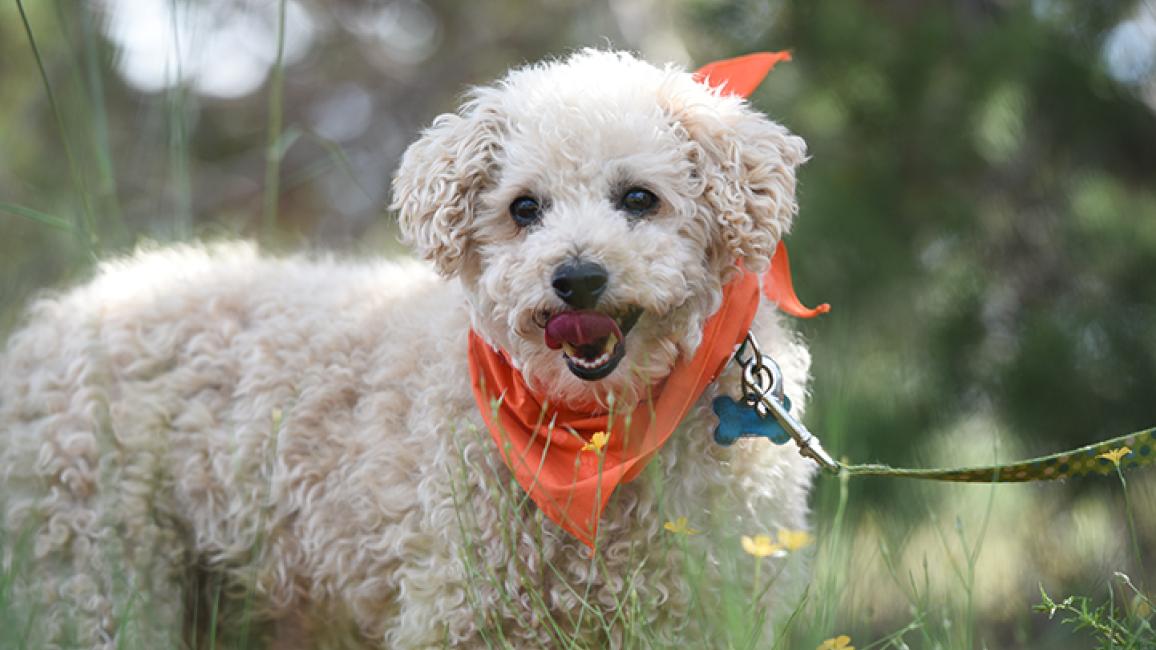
x=592, y=343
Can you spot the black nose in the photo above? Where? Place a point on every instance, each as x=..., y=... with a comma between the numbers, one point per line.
x=580, y=284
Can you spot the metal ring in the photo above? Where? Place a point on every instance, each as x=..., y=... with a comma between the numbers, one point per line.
x=764, y=378
x=778, y=389
x=750, y=345
x=758, y=379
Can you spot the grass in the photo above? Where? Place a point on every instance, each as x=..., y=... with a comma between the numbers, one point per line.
x=728, y=592
x=738, y=623
x=1121, y=620
x=85, y=226
x=888, y=574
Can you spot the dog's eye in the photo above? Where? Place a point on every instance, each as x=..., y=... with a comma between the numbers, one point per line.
x=525, y=210
x=638, y=201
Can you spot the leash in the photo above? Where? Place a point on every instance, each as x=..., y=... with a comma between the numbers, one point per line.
x=764, y=412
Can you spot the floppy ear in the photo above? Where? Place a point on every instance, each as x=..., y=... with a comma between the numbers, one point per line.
x=440, y=177
x=747, y=164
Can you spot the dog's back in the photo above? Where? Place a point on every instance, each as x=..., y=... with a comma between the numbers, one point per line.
x=187, y=408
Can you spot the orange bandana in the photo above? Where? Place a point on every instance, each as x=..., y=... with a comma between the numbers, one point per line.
x=543, y=443
x=553, y=450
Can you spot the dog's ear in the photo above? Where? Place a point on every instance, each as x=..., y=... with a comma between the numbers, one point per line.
x=747, y=165
x=440, y=177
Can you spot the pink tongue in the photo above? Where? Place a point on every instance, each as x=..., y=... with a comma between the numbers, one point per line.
x=579, y=328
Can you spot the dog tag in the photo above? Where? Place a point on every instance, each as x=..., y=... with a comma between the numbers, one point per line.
x=765, y=410
x=738, y=420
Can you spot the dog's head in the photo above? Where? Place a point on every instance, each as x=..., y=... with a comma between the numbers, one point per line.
x=593, y=208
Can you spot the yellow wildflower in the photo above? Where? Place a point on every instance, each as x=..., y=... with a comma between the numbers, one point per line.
x=679, y=527
x=1116, y=455
x=841, y=642
x=761, y=546
x=597, y=442
x=793, y=540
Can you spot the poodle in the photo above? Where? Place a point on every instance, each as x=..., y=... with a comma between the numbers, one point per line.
x=206, y=441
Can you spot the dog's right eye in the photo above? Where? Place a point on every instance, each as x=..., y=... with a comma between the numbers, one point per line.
x=638, y=202
x=525, y=210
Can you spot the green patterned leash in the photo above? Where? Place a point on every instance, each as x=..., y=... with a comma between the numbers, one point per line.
x=763, y=396
x=1130, y=451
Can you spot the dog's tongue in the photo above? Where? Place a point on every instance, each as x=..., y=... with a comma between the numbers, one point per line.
x=579, y=328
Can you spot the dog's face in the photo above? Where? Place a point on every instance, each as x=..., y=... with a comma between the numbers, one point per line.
x=593, y=209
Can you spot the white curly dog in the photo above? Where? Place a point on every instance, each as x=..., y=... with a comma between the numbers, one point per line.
x=202, y=436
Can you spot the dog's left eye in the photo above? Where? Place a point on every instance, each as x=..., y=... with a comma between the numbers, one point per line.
x=638, y=201
x=525, y=210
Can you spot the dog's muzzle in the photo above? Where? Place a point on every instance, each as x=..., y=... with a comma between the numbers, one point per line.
x=592, y=342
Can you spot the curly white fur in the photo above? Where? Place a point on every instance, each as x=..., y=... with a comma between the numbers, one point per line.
x=300, y=433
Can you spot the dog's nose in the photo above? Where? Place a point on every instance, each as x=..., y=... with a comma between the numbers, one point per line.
x=580, y=284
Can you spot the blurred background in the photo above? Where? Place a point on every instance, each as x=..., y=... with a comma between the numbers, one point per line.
x=979, y=208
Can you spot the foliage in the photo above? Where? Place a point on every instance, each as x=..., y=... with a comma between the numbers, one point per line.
x=1113, y=624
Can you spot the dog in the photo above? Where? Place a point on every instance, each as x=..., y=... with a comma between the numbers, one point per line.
x=202, y=435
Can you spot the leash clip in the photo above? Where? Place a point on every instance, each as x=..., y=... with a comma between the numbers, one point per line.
x=764, y=393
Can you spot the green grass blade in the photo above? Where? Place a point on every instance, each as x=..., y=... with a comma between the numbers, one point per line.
x=102, y=143
x=84, y=64
x=44, y=218
x=86, y=226
x=276, y=113
x=177, y=108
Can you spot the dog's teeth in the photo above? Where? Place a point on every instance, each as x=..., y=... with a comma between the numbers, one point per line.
x=611, y=341
x=577, y=359
x=591, y=364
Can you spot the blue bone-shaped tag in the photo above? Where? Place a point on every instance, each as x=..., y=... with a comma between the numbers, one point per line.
x=737, y=420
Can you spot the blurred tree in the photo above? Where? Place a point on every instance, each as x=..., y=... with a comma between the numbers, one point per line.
x=979, y=207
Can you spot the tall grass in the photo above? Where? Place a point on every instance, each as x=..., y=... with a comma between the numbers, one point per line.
x=85, y=226
x=733, y=611
x=1121, y=620
x=273, y=148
